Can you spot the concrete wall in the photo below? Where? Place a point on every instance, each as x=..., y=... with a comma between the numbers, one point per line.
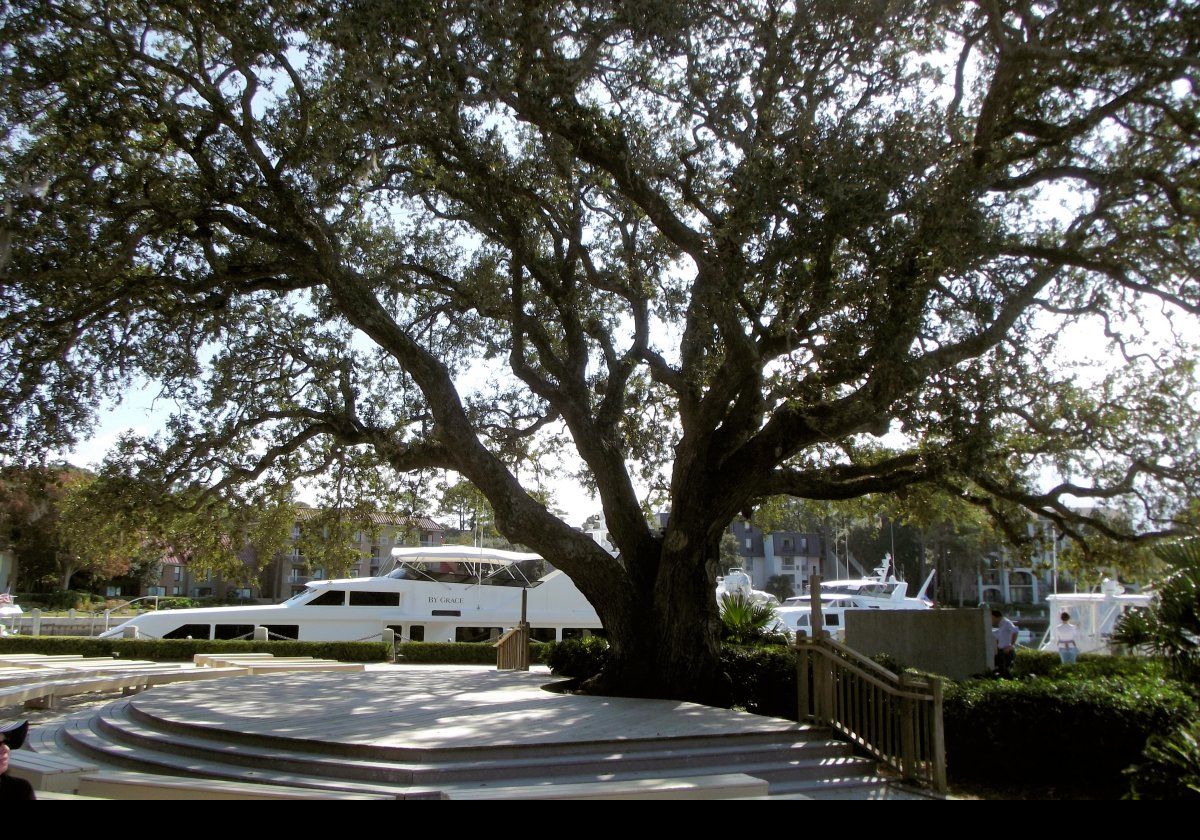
x=954, y=643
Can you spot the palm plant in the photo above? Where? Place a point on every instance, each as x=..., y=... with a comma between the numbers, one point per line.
x=1171, y=626
x=748, y=622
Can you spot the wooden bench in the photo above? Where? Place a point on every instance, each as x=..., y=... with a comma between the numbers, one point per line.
x=208, y=659
x=299, y=667
x=44, y=695
x=720, y=786
x=127, y=785
x=47, y=772
x=195, y=674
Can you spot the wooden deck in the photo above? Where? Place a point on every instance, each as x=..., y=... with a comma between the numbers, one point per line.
x=433, y=709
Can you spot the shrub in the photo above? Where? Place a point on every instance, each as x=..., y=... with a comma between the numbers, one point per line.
x=891, y=663
x=177, y=603
x=66, y=600
x=763, y=679
x=458, y=653
x=1039, y=730
x=1034, y=663
x=577, y=658
x=1171, y=626
x=1171, y=769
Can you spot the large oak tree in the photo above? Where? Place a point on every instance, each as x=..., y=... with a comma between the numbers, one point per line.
x=723, y=246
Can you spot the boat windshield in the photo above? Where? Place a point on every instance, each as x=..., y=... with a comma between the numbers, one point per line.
x=878, y=590
x=524, y=573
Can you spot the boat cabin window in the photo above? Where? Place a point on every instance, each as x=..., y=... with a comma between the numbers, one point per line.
x=332, y=598
x=291, y=631
x=832, y=620
x=193, y=631
x=541, y=634
x=234, y=631
x=416, y=633
x=477, y=634
x=374, y=599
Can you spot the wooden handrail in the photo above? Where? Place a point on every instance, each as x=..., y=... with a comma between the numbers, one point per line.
x=896, y=719
x=512, y=649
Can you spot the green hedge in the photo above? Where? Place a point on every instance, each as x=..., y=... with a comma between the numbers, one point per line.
x=763, y=679
x=1035, y=663
x=457, y=653
x=172, y=650
x=1057, y=731
x=578, y=659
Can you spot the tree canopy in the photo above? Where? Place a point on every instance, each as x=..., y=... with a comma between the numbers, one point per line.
x=716, y=250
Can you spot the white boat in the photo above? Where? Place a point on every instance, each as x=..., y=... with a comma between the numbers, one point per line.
x=440, y=594
x=9, y=611
x=1094, y=614
x=883, y=592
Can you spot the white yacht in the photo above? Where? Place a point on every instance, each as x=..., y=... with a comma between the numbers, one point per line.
x=440, y=594
x=1094, y=614
x=883, y=592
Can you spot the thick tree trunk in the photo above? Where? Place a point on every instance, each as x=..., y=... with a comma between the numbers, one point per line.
x=666, y=645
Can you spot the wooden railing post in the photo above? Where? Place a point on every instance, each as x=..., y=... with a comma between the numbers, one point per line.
x=523, y=646
x=908, y=732
x=802, y=676
x=938, y=737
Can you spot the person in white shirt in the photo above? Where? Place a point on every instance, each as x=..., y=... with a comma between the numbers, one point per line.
x=1066, y=635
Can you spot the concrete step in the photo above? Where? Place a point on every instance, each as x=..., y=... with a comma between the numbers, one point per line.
x=80, y=737
x=796, y=758
x=627, y=747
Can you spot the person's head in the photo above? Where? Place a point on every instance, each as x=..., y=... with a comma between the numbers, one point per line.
x=1065, y=617
x=996, y=616
x=12, y=736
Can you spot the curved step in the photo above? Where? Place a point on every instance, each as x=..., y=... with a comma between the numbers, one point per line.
x=82, y=736
x=122, y=722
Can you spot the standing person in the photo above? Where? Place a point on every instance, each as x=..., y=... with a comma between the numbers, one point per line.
x=1005, y=633
x=12, y=736
x=1066, y=634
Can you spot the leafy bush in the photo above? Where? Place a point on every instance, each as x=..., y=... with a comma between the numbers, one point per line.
x=67, y=600
x=1171, y=769
x=1034, y=663
x=763, y=678
x=458, y=653
x=175, y=603
x=577, y=658
x=180, y=650
x=1171, y=626
x=886, y=660
x=1037, y=730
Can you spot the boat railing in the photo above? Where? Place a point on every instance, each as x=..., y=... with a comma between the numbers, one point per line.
x=895, y=718
x=512, y=649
